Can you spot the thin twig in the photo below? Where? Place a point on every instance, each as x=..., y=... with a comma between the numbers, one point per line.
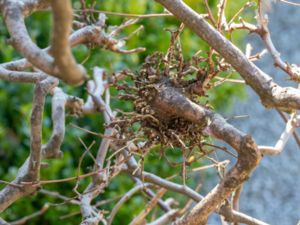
x=140, y=16
x=297, y=139
x=29, y=217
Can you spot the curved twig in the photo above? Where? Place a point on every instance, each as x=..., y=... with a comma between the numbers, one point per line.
x=291, y=124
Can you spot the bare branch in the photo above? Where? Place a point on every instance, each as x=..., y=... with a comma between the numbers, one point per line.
x=57, y=195
x=221, y=14
x=13, y=12
x=230, y=215
x=237, y=217
x=139, y=219
x=292, y=70
x=236, y=199
x=70, y=72
x=270, y=93
x=125, y=198
x=165, y=218
x=29, y=171
x=90, y=34
x=33, y=215
x=294, y=133
x=210, y=15
x=248, y=154
x=292, y=123
x=290, y=3
x=59, y=101
x=90, y=216
x=24, y=77
x=3, y=222
x=162, y=98
x=163, y=204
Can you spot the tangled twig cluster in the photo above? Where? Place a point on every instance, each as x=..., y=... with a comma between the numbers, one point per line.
x=192, y=78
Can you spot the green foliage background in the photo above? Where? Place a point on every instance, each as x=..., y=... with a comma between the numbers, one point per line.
x=15, y=106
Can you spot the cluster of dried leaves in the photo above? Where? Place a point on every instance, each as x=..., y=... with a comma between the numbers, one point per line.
x=192, y=78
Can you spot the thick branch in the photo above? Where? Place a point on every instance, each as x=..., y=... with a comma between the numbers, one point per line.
x=28, y=6
x=66, y=69
x=170, y=101
x=90, y=34
x=59, y=102
x=13, y=13
x=270, y=93
x=70, y=72
x=29, y=171
x=230, y=215
x=16, y=76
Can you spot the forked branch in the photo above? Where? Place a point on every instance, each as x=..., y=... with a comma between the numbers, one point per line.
x=270, y=93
